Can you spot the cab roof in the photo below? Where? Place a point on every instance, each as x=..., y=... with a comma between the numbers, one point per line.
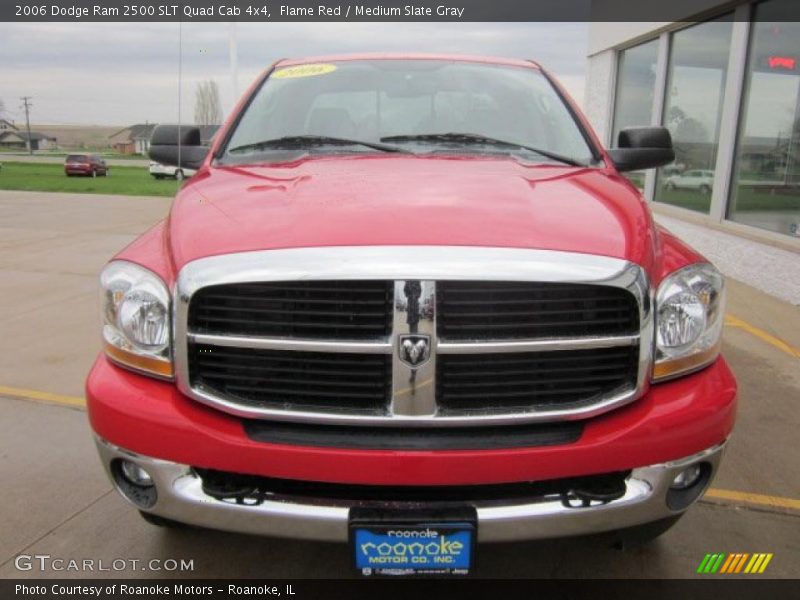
x=492, y=60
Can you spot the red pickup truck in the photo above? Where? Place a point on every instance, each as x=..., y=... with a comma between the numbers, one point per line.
x=410, y=302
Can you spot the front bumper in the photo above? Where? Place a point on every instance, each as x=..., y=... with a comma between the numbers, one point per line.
x=180, y=497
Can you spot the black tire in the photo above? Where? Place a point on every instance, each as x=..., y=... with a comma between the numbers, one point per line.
x=179, y=176
x=705, y=190
x=161, y=521
x=94, y=173
x=670, y=187
x=641, y=535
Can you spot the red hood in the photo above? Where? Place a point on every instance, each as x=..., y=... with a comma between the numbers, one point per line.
x=391, y=200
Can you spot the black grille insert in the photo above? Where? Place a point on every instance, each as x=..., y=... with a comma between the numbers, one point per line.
x=415, y=438
x=486, y=310
x=293, y=380
x=252, y=489
x=532, y=380
x=340, y=310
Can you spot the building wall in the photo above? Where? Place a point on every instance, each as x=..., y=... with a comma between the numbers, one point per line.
x=599, y=93
x=734, y=113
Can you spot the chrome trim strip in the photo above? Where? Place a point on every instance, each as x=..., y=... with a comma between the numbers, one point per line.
x=414, y=385
x=489, y=347
x=181, y=497
x=416, y=263
x=263, y=343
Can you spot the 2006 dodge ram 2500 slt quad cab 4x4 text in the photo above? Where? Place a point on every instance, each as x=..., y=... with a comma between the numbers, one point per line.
x=410, y=302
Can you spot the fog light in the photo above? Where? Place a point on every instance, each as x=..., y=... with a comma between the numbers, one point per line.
x=687, y=478
x=134, y=483
x=136, y=474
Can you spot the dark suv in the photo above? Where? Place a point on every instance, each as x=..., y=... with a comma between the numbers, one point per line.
x=85, y=164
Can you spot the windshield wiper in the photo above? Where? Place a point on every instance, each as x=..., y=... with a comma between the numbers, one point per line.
x=476, y=139
x=309, y=141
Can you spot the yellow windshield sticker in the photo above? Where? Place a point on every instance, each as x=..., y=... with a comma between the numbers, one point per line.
x=304, y=71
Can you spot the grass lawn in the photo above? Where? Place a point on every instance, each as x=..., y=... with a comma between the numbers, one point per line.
x=747, y=199
x=127, y=181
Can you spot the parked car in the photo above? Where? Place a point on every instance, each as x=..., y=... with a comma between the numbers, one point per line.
x=701, y=180
x=85, y=164
x=160, y=171
x=411, y=298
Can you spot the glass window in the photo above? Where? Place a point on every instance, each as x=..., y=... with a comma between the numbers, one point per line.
x=766, y=185
x=692, y=110
x=377, y=100
x=633, y=104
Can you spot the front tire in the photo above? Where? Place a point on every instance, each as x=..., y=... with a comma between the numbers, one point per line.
x=705, y=190
x=94, y=173
x=179, y=175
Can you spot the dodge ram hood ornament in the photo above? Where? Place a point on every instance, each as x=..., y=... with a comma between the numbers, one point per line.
x=414, y=349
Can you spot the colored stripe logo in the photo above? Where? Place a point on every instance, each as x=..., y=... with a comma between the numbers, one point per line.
x=737, y=562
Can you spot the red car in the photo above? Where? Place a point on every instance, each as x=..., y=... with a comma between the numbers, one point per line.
x=85, y=164
x=411, y=302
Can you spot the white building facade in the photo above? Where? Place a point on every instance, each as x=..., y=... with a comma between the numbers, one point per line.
x=725, y=80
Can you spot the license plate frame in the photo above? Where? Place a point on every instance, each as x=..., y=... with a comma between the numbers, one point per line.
x=406, y=538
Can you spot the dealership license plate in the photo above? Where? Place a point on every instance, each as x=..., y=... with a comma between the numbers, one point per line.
x=413, y=542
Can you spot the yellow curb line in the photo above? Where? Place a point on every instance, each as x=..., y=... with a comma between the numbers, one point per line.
x=754, y=499
x=762, y=335
x=43, y=396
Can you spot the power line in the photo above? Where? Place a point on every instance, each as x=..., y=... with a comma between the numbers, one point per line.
x=26, y=104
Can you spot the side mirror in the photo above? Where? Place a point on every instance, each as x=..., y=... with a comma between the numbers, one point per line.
x=642, y=148
x=164, y=144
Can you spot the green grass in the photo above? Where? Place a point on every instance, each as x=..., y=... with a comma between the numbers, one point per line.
x=127, y=181
x=747, y=199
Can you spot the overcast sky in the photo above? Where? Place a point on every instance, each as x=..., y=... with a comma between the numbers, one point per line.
x=119, y=74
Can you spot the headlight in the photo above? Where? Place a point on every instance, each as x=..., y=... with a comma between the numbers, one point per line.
x=136, y=318
x=690, y=306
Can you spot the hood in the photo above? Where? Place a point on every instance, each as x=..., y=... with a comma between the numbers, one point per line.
x=404, y=200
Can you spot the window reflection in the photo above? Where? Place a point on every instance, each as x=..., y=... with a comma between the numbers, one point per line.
x=636, y=80
x=766, y=186
x=692, y=110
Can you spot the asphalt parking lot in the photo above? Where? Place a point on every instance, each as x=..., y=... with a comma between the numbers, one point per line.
x=60, y=504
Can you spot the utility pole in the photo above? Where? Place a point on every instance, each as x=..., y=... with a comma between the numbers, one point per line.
x=26, y=104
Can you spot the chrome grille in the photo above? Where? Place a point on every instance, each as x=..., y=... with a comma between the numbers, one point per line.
x=331, y=335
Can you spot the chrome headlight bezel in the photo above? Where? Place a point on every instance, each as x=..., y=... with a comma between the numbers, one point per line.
x=137, y=319
x=689, y=315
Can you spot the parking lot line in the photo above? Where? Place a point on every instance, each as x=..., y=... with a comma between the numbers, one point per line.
x=762, y=335
x=753, y=499
x=43, y=396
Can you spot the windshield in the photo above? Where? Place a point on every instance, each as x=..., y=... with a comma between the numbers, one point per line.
x=419, y=106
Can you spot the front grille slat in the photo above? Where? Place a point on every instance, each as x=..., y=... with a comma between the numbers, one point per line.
x=351, y=310
x=494, y=381
x=486, y=310
x=293, y=380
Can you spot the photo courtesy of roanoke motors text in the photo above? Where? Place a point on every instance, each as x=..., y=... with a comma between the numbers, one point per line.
x=455, y=298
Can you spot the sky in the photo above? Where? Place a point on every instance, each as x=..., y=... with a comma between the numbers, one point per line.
x=125, y=73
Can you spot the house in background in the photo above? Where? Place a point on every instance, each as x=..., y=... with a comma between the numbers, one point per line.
x=18, y=140
x=6, y=125
x=135, y=139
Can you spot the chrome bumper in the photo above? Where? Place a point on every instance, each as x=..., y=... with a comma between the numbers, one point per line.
x=181, y=498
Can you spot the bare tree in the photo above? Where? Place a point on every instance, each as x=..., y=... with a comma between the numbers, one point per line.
x=207, y=109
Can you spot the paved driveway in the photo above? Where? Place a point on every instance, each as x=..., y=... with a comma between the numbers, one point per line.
x=51, y=248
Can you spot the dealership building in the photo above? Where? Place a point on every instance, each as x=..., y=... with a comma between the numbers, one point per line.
x=724, y=77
